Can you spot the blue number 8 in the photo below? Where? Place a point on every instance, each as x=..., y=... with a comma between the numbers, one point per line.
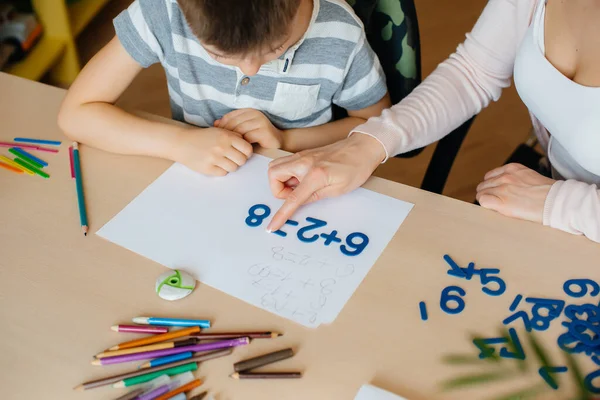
x=358, y=247
x=447, y=297
x=255, y=219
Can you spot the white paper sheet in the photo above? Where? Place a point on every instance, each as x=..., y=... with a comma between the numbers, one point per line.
x=195, y=223
x=368, y=392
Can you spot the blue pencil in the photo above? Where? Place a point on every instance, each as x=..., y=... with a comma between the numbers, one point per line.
x=79, y=185
x=166, y=360
x=38, y=141
x=202, y=323
x=29, y=155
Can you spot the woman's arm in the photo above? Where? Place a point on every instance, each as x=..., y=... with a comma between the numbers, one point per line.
x=574, y=207
x=460, y=87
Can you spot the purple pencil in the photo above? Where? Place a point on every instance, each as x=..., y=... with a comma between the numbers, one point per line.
x=167, y=352
x=159, y=391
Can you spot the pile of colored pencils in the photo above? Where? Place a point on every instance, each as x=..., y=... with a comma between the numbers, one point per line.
x=169, y=357
x=24, y=161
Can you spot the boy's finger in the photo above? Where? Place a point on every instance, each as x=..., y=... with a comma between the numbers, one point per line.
x=229, y=121
x=236, y=156
x=216, y=171
x=246, y=126
x=227, y=165
x=241, y=145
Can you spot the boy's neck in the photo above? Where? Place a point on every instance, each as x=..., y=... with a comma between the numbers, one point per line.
x=302, y=20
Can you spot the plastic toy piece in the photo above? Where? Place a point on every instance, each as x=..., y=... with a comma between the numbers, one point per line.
x=423, y=310
x=546, y=371
x=288, y=222
x=255, y=219
x=583, y=287
x=447, y=297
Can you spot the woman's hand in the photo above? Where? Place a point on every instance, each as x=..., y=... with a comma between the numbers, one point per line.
x=254, y=126
x=515, y=191
x=211, y=151
x=327, y=171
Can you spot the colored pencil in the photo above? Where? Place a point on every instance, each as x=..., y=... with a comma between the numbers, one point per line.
x=198, y=396
x=28, y=157
x=71, y=162
x=30, y=167
x=156, y=338
x=161, y=353
x=11, y=168
x=150, y=347
x=233, y=335
x=260, y=361
x=15, y=165
x=27, y=146
x=198, y=357
x=140, y=329
x=202, y=323
x=166, y=360
x=180, y=396
x=47, y=150
x=131, y=395
x=136, y=380
x=266, y=375
x=79, y=185
x=185, y=388
x=154, y=393
x=38, y=141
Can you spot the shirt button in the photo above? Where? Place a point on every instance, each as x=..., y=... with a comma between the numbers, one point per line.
x=245, y=81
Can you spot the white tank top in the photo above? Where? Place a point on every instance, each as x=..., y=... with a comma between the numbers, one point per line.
x=569, y=111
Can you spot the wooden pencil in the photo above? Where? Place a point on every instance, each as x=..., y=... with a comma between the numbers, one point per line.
x=185, y=388
x=10, y=168
x=151, y=347
x=233, y=335
x=156, y=338
x=116, y=378
x=199, y=396
x=260, y=361
x=131, y=395
x=79, y=186
x=266, y=375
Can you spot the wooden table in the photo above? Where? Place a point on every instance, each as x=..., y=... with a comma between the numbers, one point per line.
x=60, y=292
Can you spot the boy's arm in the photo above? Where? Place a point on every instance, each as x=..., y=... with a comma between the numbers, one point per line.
x=295, y=140
x=88, y=115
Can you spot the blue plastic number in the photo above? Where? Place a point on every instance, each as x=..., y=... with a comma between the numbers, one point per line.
x=554, y=308
x=423, y=310
x=485, y=350
x=315, y=224
x=331, y=237
x=454, y=270
x=485, y=279
x=288, y=222
x=518, y=352
x=589, y=382
x=255, y=219
x=583, y=287
x=546, y=371
x=521, y=314
x=358, y=247
x=447, y=297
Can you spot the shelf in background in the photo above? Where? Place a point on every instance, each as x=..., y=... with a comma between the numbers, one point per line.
x=82, y=12
x=43, y=56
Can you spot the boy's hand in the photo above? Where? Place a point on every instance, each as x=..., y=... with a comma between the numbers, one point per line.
x=254, y=126
x=211, y=151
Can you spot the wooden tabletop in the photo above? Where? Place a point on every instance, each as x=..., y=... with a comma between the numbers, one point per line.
x=60, y=291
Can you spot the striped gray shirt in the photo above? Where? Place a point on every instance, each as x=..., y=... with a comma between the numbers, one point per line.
x=332, y=64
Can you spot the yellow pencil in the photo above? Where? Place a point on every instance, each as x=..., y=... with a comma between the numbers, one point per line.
x=14, y=164
x=152, y=347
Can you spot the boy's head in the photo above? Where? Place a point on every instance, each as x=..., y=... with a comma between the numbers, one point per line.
x=244, y=33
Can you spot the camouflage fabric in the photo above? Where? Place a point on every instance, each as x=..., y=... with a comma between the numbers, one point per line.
x=393, y=32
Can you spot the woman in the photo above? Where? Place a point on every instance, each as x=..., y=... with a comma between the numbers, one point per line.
x=552, y=47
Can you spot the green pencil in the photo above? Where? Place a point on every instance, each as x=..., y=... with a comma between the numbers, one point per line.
x=26, y=159
x=79, y=185
x=148, y=377
x=31, y=168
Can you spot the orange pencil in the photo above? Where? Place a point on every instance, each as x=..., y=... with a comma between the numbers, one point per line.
x=11, y=168
x=156, y=338
x=185, y=388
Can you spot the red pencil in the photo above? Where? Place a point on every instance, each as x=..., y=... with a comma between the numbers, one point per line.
x=71, y=161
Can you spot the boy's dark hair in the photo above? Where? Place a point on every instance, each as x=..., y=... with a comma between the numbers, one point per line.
x=240, y=26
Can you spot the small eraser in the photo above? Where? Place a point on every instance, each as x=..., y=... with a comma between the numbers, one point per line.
x=174, y=285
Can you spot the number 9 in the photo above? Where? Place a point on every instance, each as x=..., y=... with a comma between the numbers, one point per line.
x=358, y=247
x=583, y=284
x=447, y=297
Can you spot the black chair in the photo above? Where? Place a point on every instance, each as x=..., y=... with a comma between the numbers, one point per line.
x=393, y=33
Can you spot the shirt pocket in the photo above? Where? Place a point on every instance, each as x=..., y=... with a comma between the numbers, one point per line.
x=294, y=102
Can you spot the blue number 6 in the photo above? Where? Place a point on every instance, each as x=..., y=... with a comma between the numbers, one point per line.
x=447, y=297
x=358, y=248
x=583, y=284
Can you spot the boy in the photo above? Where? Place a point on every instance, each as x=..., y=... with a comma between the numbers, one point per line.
x=241, y=71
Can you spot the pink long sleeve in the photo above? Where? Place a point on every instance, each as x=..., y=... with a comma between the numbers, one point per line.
x=461, y=86
x=574, y=207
